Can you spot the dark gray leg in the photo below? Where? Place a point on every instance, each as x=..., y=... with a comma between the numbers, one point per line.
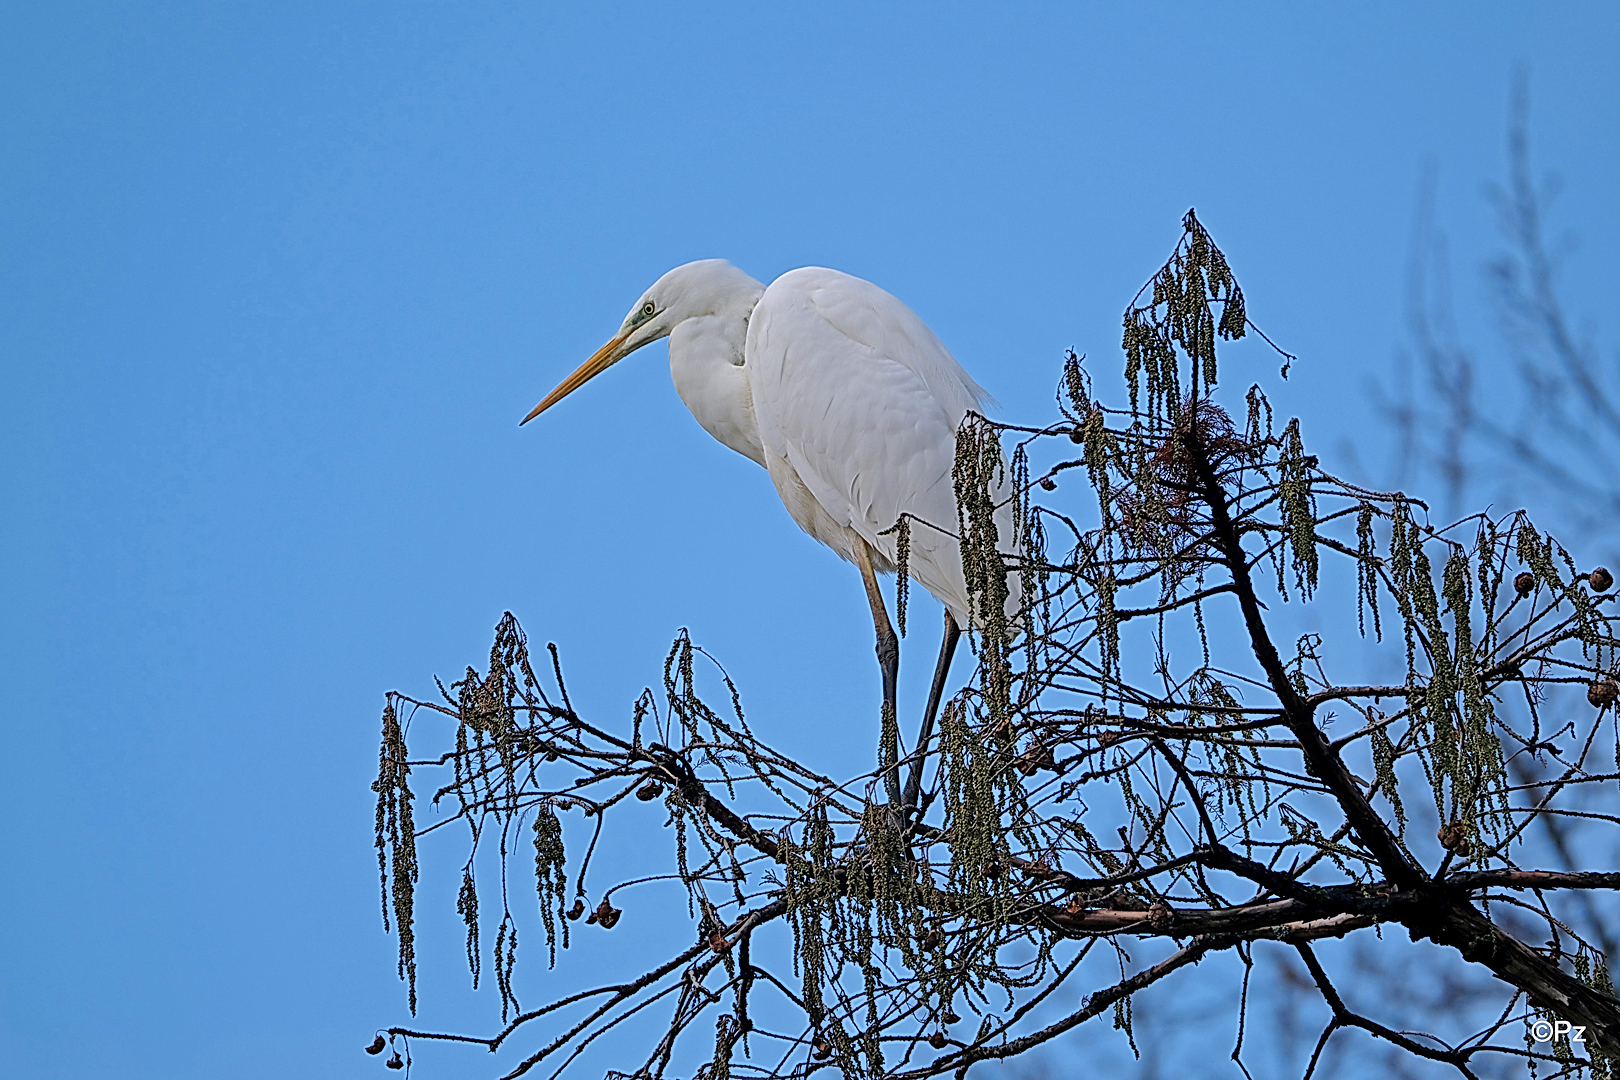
x=942, y=671
x=888, y=654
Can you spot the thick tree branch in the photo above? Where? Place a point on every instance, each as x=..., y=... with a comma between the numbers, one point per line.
x=1320, y=757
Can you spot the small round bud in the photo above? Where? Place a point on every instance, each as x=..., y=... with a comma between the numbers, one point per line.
x=377, y=1046
x=1603, y=692
x=1524, y=583
x=1600, y=579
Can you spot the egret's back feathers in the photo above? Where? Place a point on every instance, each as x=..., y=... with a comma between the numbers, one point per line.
x=858, y=404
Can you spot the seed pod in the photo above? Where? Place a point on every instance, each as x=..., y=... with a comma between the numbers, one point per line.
x=821, y=1050
x=1159, y=915
x=1454, y=838
x=992, y=870
x=1038, y=756
x=396, y=1062
x=1048, y=484
x=951, y=1018
x=932, y=940
x=377, y=1046
x=606, y=915
x=1076, y=435
x=718, y=942
x=1600, y=579
x=1524, y=583
x=649, y=791
x=1603, y=692
x=576, y=911
x=937, y=1040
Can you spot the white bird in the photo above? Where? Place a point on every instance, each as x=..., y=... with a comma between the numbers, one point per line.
x=851, y=404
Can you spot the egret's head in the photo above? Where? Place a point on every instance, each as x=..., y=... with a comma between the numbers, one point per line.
x=705, y=287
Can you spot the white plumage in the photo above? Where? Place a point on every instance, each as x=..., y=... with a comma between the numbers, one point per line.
x=858, y=405
x=848, y=400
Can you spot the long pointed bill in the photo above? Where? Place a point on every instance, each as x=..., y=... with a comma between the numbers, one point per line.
x=599, y=362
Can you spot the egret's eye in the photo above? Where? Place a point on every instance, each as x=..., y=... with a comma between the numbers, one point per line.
x=643, y=313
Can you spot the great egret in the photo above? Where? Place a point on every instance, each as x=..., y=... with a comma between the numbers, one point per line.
x=851, y=404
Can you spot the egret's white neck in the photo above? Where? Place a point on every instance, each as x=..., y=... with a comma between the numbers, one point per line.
x=707, y=363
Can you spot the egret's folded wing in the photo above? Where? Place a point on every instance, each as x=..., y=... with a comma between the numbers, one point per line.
x=864, y=313
x=860, y=398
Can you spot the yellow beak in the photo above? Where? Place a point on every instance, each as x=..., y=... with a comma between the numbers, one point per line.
x=599, y=362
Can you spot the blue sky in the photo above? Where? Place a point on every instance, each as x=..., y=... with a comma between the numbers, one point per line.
x=278, y=281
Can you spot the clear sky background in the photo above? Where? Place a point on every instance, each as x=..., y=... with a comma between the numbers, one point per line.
x=277, y=282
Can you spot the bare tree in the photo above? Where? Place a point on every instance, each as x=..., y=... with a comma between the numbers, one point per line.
x=1144, y=770
x=1542, y=419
